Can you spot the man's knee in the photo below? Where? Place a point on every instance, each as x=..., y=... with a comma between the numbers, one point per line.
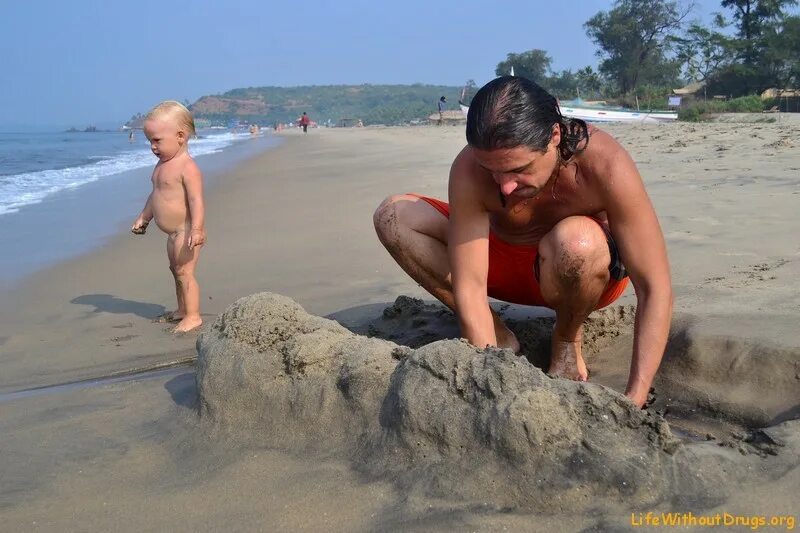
x=387, y=218
x=574, y=248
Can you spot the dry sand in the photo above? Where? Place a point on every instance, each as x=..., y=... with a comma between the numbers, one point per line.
x=297, y=221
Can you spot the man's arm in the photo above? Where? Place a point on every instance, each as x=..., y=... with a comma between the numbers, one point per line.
x=468, y=250
x=193, y=182
x=636, y=230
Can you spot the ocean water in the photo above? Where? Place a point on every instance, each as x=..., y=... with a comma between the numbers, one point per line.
x=34, y=166
x=64, y=194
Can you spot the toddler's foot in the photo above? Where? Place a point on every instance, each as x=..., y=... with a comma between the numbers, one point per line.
x=188, y=324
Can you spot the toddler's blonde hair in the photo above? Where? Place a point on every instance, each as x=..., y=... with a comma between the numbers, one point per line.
x=175, y=111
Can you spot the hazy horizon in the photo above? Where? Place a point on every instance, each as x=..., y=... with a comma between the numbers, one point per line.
x=78, y=64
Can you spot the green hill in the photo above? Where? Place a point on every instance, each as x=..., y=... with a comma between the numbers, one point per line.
x=373, y=104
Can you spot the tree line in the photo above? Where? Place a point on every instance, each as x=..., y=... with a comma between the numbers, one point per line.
x=647, y=47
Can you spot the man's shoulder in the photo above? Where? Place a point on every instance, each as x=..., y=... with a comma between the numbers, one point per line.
x=465, y=168
x=471, y=183
x=608, y=169
x=600, y=152
x=599, y=140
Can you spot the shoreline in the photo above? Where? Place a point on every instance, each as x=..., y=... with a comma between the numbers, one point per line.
x=111, y=294
x=42, y=234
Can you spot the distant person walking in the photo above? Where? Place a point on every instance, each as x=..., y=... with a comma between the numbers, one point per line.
x=304, y=122
x=442, y=107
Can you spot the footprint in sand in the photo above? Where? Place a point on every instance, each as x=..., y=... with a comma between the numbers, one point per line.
x=747, y=275
x=781, y=143
x=119, y=340
x=167, y=317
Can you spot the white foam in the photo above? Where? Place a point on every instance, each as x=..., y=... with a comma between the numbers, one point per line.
x=32, y=187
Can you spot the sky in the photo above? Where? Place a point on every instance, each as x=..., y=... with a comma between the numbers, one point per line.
x=81, y=62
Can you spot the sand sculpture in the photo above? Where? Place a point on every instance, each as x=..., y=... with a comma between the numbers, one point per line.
x=482, y=426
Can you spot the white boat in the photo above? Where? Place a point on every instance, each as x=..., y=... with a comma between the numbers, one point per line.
x=603, y=113
x=615, y=114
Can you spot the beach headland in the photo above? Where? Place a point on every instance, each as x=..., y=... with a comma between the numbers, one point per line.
x=297, y=221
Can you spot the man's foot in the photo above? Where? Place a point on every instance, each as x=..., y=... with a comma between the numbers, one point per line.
x=566, y=361
x=188, y=324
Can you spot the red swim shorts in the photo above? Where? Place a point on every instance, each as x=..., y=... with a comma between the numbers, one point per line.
x=511, y=268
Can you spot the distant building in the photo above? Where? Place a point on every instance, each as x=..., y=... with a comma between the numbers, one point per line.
x=696, y=89
x=692, y=88
x=784, y=100
x=780, y=93
x=448, y=117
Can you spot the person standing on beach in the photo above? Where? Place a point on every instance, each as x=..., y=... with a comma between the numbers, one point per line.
x=542, y=211
x=304, y=122
x=177, y=205
x=442, y=107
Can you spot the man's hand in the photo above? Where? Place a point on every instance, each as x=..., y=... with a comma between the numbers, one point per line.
x=197, y=238
x=140, y=226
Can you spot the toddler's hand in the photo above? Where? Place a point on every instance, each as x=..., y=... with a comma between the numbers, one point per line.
x=197, y=238
x=139, y=227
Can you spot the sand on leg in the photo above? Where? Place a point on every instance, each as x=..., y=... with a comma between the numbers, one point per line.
x=573, y=273
x=180, y=311
x=182, y=263
x=415, y=234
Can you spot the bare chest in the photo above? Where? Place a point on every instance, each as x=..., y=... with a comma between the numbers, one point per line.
x=167, y=179
x=527, y=221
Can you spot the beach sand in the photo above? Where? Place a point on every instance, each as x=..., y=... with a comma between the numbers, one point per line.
x=297, y=221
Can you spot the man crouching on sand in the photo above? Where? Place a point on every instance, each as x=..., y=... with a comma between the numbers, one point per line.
x=542, y=211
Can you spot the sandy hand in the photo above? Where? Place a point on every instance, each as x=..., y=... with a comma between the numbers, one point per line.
x=507, y=339
x=139, y=227
x=197, y=238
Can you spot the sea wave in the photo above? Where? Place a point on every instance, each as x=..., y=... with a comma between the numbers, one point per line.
x=28, y=188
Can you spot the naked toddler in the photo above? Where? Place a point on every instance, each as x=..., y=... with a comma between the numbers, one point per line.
x=176, y=204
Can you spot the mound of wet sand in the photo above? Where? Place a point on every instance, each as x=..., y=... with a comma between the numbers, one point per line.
x=708, y=384
x=449, y=420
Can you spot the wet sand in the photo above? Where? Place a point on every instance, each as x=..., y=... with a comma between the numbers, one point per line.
x=297, y=221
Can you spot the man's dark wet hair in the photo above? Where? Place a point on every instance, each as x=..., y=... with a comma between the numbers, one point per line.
x=512, y=111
